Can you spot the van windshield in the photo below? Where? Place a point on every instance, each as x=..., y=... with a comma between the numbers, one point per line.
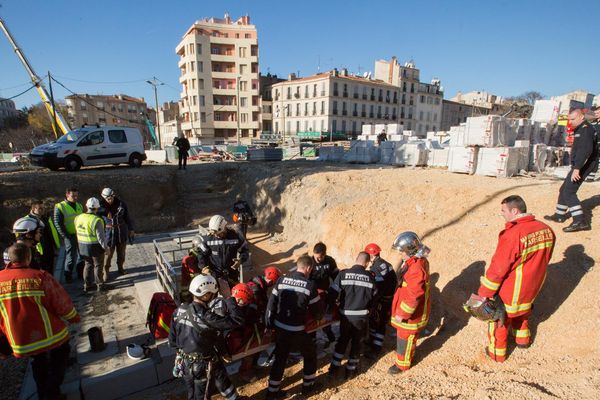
x=71, y=136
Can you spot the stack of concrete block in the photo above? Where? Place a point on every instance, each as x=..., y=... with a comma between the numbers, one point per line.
x=368, y=129
x=546, y=110
x=523, y=148
x=396, y=138
x=489, y=131
x=524, y=128
x=386, y=150
x=438, y=157
x=380, y=128
x=462, y=159
x=410, y=154
x=394, y=129
x=457, y=135
x=331, y=153
x=540, y=155
x=501, y=162
x=362, y=152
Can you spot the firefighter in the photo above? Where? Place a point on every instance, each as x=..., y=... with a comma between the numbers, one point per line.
x=354, y=289
x=261, y=284
x=249, y=333
x=584, y=160
x=36, y=311
x=222, y=251
x=516, y=274
x=28, y=231
x=292, y=298
x=196, y=334
x=595, y=122
x=92, y=245
x=386, y=282
x=46, y=245
x=63, y=226
x=411, y=304
x=324, y=272
x=119, y=229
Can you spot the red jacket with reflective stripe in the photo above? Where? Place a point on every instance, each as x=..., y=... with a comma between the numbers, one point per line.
x=411, y=305
x=518, y=267
x=33, y=306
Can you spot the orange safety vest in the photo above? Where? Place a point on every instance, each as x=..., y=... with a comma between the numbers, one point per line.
x=33, y=306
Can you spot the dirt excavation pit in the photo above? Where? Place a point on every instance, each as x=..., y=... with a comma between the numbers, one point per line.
x=300, y=203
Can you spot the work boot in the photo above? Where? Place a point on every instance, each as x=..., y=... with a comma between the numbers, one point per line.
x=333, y=370
x=577, y=226
x=556, y=218
x=351, y=373
x=394, y=370
x=122, y=271
x=374, y=354
x=312, y=389
x=524, y=346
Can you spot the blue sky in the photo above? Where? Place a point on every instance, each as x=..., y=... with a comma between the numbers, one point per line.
x=504, y=47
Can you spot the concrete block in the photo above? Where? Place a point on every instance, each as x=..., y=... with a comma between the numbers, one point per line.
x=438, y=157
x=410, y=154
x=159, y=156
x=462, y=159
x=501, y=162
x=120, y=382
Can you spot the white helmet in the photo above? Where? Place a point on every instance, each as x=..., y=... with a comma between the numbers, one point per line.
x=217, y=223
x=25, y=225
x=135, y=351
x=92, y=203
x=107, y=192
x=203, y=284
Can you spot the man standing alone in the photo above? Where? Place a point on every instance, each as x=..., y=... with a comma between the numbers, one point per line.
x=183, y=145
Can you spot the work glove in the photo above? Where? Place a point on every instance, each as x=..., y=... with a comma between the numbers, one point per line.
x=236, y=264
x=206, y=271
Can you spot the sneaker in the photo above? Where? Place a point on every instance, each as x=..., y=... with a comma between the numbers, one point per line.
x=312, y=389
x=555, y=218
x=394, y=370
x=577, y=226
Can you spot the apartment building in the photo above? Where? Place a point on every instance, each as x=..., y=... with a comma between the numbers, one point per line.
x=86, y=109
x=333, y=101
x=266, y=83
x=429, y=107
x=219, y=76
x=168, y=119
x=7, y=109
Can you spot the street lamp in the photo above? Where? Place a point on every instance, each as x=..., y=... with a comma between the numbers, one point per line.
x=155, y=83
x=283, y=111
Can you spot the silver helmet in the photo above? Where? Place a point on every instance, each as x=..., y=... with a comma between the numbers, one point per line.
x=407, y=242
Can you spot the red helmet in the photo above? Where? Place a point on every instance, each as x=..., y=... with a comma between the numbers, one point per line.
x=272, y=274
x=373, y=249
x=243, y=294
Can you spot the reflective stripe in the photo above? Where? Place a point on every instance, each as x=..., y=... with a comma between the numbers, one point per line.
x=348, y=282
x=42, y=344
x=378, y=278
x=575, y=208
x=316, y=299
x=334, y=287
x=55, y=235
x=24, y=293
x=291, y=328
x=283, y=286
x=221, y=242
x=312, y=376
x=228, y=392
x=70, y=314
x=354, y=312
x=576, y=213
x=489, y=284
x=515, y=306
x=4, y=314
x=338, y=356
x=44, y=315
x=274, y=292
x=274, y=383
x=163, y=325
x=521, y=333
x=560, y=212
x=561, y=207
x=406, y=308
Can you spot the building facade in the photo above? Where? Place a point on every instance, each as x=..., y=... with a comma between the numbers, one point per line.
x=454, y=113
x=220, y=81
x=479, y=99
x=576, y=99
x=168, y=120
x=266, y=102
x=333, y=101
x=429, y=107
x=123, y=110
x=7, y=109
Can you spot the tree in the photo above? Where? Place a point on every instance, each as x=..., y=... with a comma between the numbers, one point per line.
x=529, y=97
x=39, y=119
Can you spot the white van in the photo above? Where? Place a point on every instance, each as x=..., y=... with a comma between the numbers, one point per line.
x=92, y=145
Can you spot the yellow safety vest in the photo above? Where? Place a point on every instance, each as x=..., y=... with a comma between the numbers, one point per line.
x=85, y=225
x=69, y=215
x=55, y=235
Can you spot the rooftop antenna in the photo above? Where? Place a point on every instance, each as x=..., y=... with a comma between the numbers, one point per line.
x=318, y=63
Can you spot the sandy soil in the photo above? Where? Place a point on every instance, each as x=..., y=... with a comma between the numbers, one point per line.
x=346, y=206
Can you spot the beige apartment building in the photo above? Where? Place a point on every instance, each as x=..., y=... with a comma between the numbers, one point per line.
x=123, y=110
x=219, y=76
x=333, y=101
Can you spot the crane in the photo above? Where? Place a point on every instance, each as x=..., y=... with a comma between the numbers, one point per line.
x=55, y=116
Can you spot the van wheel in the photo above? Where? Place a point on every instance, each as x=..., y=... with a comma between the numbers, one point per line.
x=135, y=161
x=72, y=163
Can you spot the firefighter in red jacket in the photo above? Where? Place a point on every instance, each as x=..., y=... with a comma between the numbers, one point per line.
x=34, y=310
x=516, y=274
x=411, y=305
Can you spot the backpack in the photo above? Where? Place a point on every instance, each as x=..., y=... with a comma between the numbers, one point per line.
x=160, y=312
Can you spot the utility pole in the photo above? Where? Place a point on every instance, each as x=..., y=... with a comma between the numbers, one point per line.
x=155, y=83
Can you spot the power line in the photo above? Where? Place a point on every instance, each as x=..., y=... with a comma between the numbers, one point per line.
x=16, y=86
x=93, y=105
x=20, y=94
x=101, y=82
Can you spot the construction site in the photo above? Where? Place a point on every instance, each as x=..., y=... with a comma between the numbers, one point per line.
x=298, y=203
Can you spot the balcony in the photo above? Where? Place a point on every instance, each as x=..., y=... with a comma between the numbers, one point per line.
x=378, y=116
x=387, y=99
x=224, y=91
x=393, y=117
x=371, y=115
x=225, y=57
x=364, y=96
x=345, y=94
x=380, y=98
x=395, y=101
x=335, y=111
x=225, y=124
x=224, y=74
x=363, y=114
x=355, y=113
x=344, y=112
x=372, y=97
x=336, y=93
x=355, y=95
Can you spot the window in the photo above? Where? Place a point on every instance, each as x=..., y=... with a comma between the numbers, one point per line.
x=100, y=105
x=306, y=126
x=322, y=107
x=434, y=118
x=305, y=108
x=215, y=50
x=289, y=92
x=243, y=86
x=199, y=48
x=297, y=109
x=333, y=125
x=193, y=100
x=247, y=36
x=314, y=111
x=195, y=116
x=344, y=126
x=297, y=126
x=422, y=99
x=200, y=83
x=202, y=101
x=243, y=101
x=117, y=136
x=92, y=139
x=243, y=117
x=192, y=64
x=243, y=68
x=242, y=52
x=314, y=90
x=306, y=92
x=200, y=66
x=202, y=117
x=421, y=115
x=437, y=101
x=193, y=84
